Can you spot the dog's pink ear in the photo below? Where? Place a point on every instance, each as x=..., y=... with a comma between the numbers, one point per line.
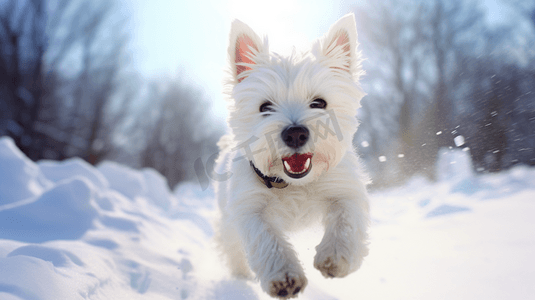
x=341, y=39
x=244, y=48
x=340, y=45
x=244, y=52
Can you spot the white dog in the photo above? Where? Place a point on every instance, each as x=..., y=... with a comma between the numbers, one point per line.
x=289, y=159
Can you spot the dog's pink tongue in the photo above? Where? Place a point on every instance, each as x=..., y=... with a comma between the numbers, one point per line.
x=297, y=161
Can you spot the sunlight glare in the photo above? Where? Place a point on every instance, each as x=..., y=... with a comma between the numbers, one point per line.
x=276, y=19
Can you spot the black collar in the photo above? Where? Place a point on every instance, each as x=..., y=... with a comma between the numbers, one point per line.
x=270, y=182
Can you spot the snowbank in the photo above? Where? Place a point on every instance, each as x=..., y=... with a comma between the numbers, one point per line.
x=19, y=177
x=69, y=230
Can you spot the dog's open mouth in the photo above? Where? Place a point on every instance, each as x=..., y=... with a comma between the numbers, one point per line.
x=297, y=165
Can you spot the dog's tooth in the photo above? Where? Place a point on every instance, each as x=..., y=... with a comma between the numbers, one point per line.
x=287, y=166
x=307, y=163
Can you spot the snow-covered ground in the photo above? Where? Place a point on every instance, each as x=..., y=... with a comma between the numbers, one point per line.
x=72, y=231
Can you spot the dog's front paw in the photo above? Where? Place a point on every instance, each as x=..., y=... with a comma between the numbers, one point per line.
x=288, y=286
x=338, y=262
x=331, y=267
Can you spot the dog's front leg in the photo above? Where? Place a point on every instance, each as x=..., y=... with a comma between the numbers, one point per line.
x=344, y=244
x=270, y=255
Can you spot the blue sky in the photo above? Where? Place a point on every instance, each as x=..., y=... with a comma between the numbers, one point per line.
x=191, y=37
x=172, y=37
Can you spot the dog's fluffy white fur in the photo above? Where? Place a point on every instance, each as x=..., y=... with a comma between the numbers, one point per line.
x=254, y=218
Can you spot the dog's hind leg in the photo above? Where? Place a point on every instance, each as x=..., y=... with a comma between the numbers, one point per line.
x=232, y=249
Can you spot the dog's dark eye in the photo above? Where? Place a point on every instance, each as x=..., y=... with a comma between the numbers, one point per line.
x=266, y=107
x=318, y=103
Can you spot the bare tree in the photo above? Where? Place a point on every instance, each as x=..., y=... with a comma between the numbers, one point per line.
x=178, y=130
x=61, y=64
x=90, y=36
x=397, y=82
x=417, y=66
x=23, y=44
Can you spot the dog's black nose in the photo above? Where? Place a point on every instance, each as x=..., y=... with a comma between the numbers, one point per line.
x=295, y=136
